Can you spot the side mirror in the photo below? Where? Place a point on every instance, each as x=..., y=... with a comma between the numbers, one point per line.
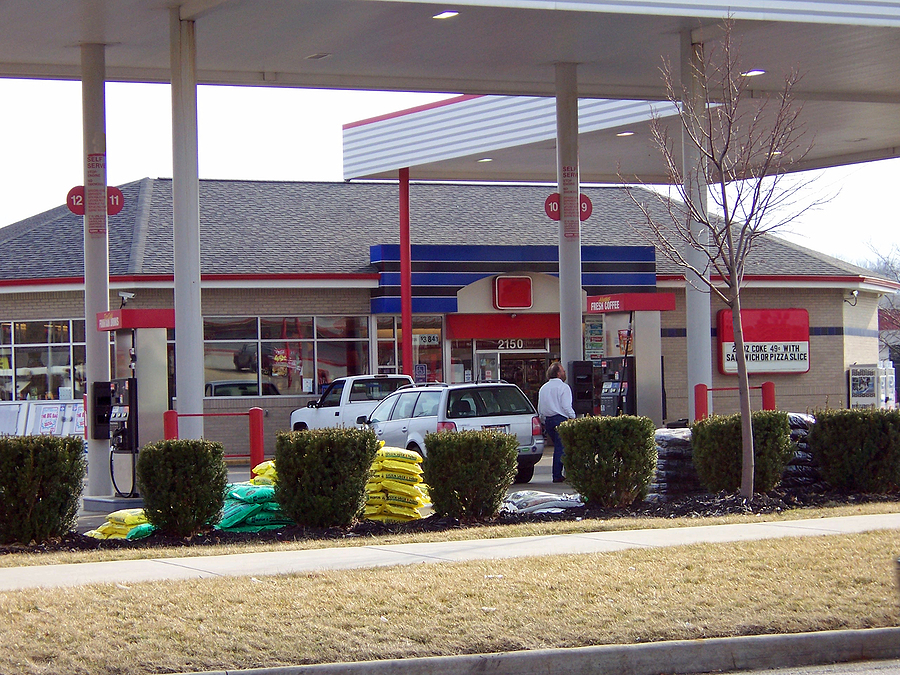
x=362, y=419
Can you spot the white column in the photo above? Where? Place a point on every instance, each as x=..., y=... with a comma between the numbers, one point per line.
x=189, y=372
x=570, y=302
x=697, y=296
x=96, y=252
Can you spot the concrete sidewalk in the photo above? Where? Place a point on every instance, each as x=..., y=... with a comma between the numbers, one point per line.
x=292, y=562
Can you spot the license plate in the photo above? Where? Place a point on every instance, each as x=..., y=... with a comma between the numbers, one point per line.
x=501, y=428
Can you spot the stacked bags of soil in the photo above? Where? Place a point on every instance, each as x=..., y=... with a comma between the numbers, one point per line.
x=123, y=524
x=395, y=492
x=251, y=506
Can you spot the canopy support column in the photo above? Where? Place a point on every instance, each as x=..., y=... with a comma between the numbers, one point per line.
x=405, y=276
x=96, y=253
x=697, y=295
x=189, y=371
x=570, y=291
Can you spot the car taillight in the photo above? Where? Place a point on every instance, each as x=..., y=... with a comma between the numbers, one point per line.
x=536, y=429
x=446, y=426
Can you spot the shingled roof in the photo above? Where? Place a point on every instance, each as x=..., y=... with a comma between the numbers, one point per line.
x=272, y=228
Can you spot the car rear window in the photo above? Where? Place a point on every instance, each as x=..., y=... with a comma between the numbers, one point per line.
x=487, y=402
x=375, y=390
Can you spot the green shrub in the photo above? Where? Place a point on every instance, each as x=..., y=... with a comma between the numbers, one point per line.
x=718, y=450
x=322, y=474
x=610, y=461
x=858, y=449
x=183, y=484
x=40, y=486
x=469, y=472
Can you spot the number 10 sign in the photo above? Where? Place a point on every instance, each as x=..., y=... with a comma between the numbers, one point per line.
x=551, y=206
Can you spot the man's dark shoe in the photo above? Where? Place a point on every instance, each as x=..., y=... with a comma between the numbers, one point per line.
x=559, y=480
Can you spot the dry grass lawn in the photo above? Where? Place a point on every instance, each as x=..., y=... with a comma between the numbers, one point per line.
x=786, y=585
x=487, y=532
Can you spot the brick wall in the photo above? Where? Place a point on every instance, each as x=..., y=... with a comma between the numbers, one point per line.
x=826, y=382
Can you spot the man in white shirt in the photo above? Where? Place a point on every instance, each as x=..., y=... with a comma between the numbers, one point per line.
x=555, y=407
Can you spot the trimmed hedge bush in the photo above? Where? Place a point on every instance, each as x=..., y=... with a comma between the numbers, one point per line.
x=858, y=449
x=469, y=472
x=322, y=474
x=183, y=484
x=610, y=461
x=40, y=485
x=718, y=450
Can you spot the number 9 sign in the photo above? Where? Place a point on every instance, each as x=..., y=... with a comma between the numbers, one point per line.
x=551, y=207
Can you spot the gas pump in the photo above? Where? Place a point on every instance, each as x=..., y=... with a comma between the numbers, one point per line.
x=614, y=380
x=122, y=432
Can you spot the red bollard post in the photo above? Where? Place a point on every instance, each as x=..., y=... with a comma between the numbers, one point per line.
x=701, y=402
x=170, y=425
x=768, y=395
x=257, y=437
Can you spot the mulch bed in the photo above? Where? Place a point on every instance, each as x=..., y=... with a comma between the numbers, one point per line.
x=695, y=506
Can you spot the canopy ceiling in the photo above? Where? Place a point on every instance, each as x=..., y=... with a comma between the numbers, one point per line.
x=848, y=52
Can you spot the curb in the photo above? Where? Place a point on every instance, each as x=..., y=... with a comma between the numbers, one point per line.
x=681, y=656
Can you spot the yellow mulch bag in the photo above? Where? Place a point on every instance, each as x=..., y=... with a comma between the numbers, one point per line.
x=391, y=518
x=397, y=477
x=129, y=517
x=398, y=454
x=262, y=480
x=376, y=498
x=404, y=500
x=396, y=510
x=110, y=529
x=402, y=467
x=265, y=470
x=373, y=486
x=373, y=510
x=401, y=488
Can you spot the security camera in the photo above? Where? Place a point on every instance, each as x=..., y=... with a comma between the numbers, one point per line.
x=854, y=293
x=125, y=295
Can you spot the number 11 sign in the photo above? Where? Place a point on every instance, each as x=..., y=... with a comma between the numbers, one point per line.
x=114, y=200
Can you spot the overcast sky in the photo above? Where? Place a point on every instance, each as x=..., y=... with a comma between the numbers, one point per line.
x=295, y=135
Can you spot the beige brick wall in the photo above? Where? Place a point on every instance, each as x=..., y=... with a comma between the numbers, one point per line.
x=826, y=382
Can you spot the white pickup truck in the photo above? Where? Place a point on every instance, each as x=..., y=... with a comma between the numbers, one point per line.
x=346, y=399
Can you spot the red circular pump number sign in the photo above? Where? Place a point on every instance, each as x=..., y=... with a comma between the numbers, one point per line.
x=114, y=200
x=551, y=207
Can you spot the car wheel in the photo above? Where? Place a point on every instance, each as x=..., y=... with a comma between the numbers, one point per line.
x=525, y=472
x=300, y=426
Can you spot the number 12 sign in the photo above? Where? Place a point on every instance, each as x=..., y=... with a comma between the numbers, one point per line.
x=114, y=200
x=551, y=207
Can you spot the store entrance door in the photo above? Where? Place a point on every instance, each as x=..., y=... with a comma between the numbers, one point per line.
x=525, y=370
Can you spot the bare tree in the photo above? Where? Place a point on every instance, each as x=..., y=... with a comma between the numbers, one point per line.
x=747, y=145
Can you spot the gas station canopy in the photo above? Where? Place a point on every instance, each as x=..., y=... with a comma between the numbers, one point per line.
x=848, y=52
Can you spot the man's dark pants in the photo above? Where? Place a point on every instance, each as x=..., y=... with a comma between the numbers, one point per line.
x=550, y=425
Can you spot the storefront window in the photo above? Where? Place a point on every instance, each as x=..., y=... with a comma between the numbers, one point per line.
x=230, y=328
x=461, y=361
x=289, y=366
x=43, y=373
x=78, y=330
x=387, y=345
x=340, y=358
x=226, y=363
x=6, y=379
x=286, y=328
x=427, y=344
x=349, y=327
x=5, y=333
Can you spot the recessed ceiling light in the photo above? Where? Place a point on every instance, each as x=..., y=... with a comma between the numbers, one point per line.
x=753, y=73
x=448, y=14
x=484, y=159
x=622, y=134
x=316, y=57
